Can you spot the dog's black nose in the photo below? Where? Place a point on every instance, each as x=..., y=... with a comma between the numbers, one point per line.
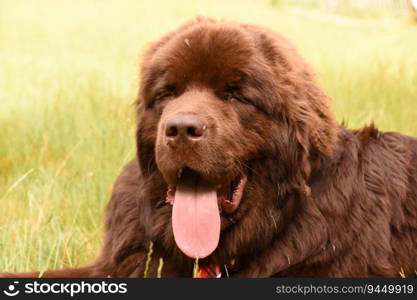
x=186, y=127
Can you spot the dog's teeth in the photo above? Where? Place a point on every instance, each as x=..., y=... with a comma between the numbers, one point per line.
x=179, y=173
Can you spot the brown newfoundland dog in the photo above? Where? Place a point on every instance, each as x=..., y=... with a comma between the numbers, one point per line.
x=241, y=165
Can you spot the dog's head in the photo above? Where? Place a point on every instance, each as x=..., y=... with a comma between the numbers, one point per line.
x=231, y=118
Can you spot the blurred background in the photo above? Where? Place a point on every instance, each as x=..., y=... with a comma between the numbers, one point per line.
x=69, y=75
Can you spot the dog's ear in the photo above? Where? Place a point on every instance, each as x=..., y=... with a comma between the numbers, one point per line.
x=147, y=120
x=300, y=101
x=300, y=97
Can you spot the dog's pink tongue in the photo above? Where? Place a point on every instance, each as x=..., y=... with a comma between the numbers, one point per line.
x=195, y=217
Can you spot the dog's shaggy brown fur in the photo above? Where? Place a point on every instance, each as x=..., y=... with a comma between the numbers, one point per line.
x=320, y=200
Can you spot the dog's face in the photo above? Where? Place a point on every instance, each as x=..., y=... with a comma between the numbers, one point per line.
x=212, y=122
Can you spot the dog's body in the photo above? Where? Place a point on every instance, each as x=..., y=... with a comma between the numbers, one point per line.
x=231, y=111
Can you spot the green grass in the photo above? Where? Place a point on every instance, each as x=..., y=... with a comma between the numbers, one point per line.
x=69, y=76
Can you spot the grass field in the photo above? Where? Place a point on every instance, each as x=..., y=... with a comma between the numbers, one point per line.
x=68, y=77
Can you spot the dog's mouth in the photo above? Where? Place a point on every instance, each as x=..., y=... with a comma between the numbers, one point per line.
x=197, y=205
x=228, y=195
